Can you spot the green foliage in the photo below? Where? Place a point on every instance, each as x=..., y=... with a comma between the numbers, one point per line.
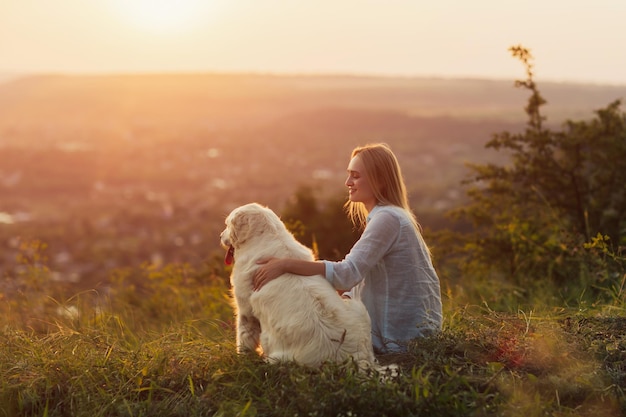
x=31, y=297
x=534, y=214
x=170, y=294
x=323, y=225
x=144, y=299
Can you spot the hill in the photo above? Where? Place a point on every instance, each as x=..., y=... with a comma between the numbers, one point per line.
x=232, y=99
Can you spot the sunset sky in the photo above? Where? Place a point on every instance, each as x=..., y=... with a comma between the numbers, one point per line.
x=572, y=40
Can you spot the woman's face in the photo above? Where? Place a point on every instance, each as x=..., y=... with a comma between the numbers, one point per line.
x=359, y=188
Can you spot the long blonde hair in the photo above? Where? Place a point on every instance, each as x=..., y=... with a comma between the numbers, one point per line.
x=384, y=175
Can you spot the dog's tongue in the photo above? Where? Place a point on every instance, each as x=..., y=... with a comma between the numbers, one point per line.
x=230, y=255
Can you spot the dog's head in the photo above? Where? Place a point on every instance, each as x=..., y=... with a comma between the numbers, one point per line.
x=246, y=223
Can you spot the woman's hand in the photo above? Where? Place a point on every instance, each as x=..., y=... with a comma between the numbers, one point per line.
x=271, y=268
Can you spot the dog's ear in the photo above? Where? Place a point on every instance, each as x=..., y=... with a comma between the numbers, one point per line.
x=247, y=222
x=273, y=222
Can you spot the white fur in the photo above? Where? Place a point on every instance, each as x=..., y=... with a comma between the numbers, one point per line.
x=292, y=317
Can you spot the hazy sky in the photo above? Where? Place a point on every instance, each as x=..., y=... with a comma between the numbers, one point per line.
x=572, y=40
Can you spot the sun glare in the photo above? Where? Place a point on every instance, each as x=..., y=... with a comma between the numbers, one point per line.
x=162, y=15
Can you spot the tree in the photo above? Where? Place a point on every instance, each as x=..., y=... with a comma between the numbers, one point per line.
x=559, y=189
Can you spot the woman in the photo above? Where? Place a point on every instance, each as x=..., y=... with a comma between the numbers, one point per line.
x=389, y=268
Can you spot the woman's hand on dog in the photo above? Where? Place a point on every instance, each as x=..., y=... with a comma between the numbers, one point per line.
x=270, y=268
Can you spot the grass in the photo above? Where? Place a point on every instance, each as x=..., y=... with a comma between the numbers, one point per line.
x=166, y=348
x=483, y=363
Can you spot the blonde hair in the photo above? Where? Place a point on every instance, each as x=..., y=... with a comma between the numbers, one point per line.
x=384, y=175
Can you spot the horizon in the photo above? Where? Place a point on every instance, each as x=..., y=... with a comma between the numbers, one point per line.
x=12, y=76
x=570, y=42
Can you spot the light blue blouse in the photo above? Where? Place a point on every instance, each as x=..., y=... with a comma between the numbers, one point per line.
x=390, y=270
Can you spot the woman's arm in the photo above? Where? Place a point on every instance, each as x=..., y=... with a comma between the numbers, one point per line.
x=379, y=236
x=272, y=268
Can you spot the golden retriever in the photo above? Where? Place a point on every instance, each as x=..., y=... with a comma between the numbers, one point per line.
x=292, y=318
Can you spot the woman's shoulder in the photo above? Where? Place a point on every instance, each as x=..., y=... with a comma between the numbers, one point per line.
x=390, y=213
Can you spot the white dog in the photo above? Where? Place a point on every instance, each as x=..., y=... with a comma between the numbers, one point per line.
x=292, y=317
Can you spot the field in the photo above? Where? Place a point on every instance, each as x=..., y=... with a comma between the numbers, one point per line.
x=113, y=191
x=116, y=362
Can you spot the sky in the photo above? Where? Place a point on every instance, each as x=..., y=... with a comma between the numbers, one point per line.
x=571, y=40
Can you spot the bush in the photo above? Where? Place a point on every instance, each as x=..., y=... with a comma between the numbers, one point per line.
x=535, y=215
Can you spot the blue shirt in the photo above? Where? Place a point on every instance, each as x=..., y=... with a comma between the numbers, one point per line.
x=392, y=273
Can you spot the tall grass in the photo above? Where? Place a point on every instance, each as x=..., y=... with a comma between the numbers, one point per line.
x=163, y=345
x=483, y=363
